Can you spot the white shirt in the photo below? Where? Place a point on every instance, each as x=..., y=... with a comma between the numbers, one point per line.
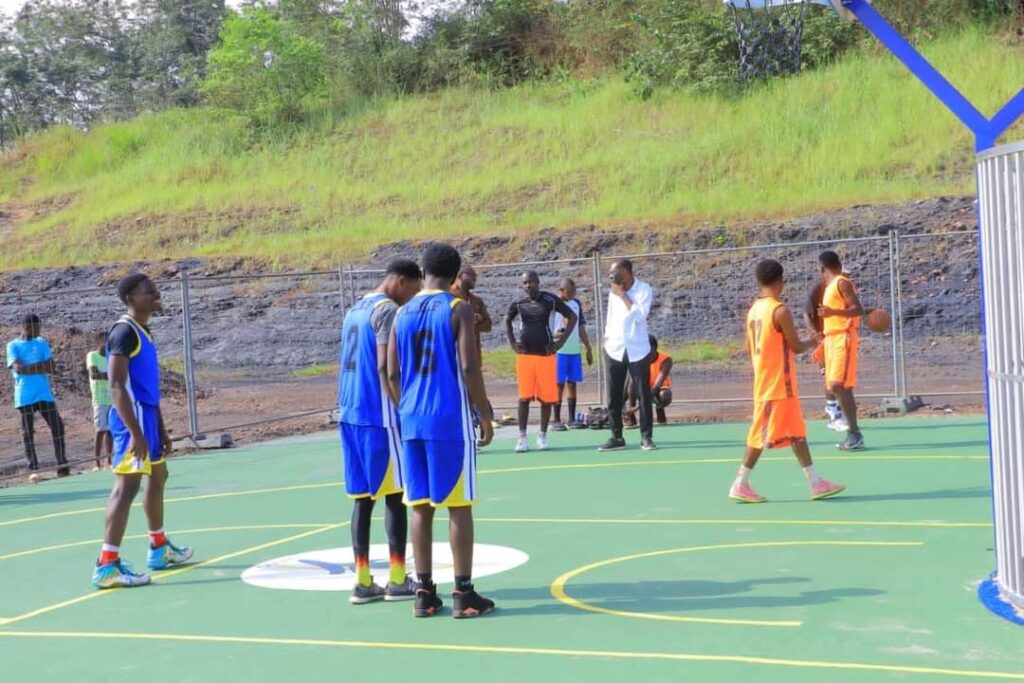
x=625, y=330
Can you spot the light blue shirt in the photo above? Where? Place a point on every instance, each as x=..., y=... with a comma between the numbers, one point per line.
x=29, y=389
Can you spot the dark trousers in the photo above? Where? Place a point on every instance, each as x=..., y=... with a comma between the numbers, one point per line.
x=48, y=410
x=640, y=372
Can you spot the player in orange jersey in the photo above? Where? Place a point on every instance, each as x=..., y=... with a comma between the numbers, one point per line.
x=841, y=312
x=772, y=342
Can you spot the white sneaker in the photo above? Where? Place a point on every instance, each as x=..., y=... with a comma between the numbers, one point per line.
x=542, y=442
x=839, y=425
x=521, y=445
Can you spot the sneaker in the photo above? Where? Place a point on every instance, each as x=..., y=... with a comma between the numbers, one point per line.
x=117, y=574
x=745, y=494
x=166, y=555
x=825, y=489
x=613, y=444
x=839, y=425
x=522, y=446
x=660, y=415
x=542, y=442
x=854, y=442
x=397, y=592
x=647, y=445
x=428, y=603
x=363, y=594
x=559, y=427
x=578, y=425
x=470, y=604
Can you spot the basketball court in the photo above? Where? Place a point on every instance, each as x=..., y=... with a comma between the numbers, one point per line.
x=604, y=566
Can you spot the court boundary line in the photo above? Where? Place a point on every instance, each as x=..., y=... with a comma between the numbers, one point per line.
x=135, y=537
x=559, y=593
x=509, y=470
x=514, y=650
x=167, y=574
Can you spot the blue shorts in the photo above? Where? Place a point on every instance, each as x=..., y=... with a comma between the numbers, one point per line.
x=442, y=473
x=570, y=368
x=123, y=460
x=373, y=467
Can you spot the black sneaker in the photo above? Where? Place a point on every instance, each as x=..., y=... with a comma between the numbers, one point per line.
x=648, y=445
x=854, y=442
x=559, y=427
x=396, y=592
x=428, y=603
x=613, y=444
x=578, y=425
x=470, y=604
x=362, y=595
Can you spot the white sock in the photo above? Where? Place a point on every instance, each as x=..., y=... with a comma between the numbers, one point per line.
x=812, y=476
x=107, y=548
x=743, y=476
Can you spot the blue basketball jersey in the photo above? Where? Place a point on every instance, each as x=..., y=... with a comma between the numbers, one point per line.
x=435, y=402
x=143, y=367
x=361, y=395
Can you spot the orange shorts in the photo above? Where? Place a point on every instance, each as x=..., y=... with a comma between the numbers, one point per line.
x=841, y=360
x=777, y=423
x=538, y=378
x=818, y=355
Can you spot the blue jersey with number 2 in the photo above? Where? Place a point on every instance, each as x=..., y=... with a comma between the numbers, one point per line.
x=435, y=403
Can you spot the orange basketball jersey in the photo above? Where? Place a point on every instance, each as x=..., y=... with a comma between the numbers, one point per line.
x=774, y=369
x=833, y=298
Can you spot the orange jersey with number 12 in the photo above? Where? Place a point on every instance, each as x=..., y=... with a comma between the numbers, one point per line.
x=773, y=360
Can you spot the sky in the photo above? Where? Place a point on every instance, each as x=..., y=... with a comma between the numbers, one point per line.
x=9, y=7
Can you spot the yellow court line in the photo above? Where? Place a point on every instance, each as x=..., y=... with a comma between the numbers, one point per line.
x=245, y=527
x=512, y=650
x=737, y=522
x=559, y=593
x=508, y=470
x=716, y=461
x=204, y=496
x=174, y=572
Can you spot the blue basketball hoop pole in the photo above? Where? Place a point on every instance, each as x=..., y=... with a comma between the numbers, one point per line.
x=986, y=131
x=1000, y=179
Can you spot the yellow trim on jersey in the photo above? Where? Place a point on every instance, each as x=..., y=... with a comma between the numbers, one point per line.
x=413, y=503
x=127, y=465
x=388, y=485
x=457, y=497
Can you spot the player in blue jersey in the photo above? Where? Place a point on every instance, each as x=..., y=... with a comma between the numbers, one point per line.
x=140, y=437
x=434, y=371
x=368, y=424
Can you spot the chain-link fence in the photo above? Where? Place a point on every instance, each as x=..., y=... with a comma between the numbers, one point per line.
x=255, y=355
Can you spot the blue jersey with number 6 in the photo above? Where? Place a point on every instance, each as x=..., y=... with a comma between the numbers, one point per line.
x=435, y=403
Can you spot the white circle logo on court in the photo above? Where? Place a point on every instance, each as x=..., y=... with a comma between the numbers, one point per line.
x=334, y=569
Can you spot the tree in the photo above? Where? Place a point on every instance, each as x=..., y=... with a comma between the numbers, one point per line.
x=265, y=68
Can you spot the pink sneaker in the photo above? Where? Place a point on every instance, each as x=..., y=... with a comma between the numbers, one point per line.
x=744, y=494
x=825, y=489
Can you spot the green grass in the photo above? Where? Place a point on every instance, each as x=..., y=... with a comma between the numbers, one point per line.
x=315, y=370
x=471, y=162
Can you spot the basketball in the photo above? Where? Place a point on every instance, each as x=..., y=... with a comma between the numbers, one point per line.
x=879, y=320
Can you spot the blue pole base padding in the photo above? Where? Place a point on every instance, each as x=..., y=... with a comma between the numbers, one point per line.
x=988, y=593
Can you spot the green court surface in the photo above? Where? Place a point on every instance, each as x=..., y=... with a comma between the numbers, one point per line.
x=639, y=566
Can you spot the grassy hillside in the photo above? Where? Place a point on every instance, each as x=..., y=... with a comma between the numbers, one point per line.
x=196, y=182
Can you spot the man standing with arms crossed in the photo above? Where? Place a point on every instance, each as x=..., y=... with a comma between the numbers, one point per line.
x=536, y=369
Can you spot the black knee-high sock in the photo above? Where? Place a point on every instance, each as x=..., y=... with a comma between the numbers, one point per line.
x=571, y=403
x=396, y=523
x=362, y=515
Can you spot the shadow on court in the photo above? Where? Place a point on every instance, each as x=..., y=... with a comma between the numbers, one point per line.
x=682, y=596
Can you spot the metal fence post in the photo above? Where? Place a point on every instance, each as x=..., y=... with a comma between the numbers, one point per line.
x=893, y=308
x=899, y=316
x=189, y=364
x=341, y=287
x=599, y=326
